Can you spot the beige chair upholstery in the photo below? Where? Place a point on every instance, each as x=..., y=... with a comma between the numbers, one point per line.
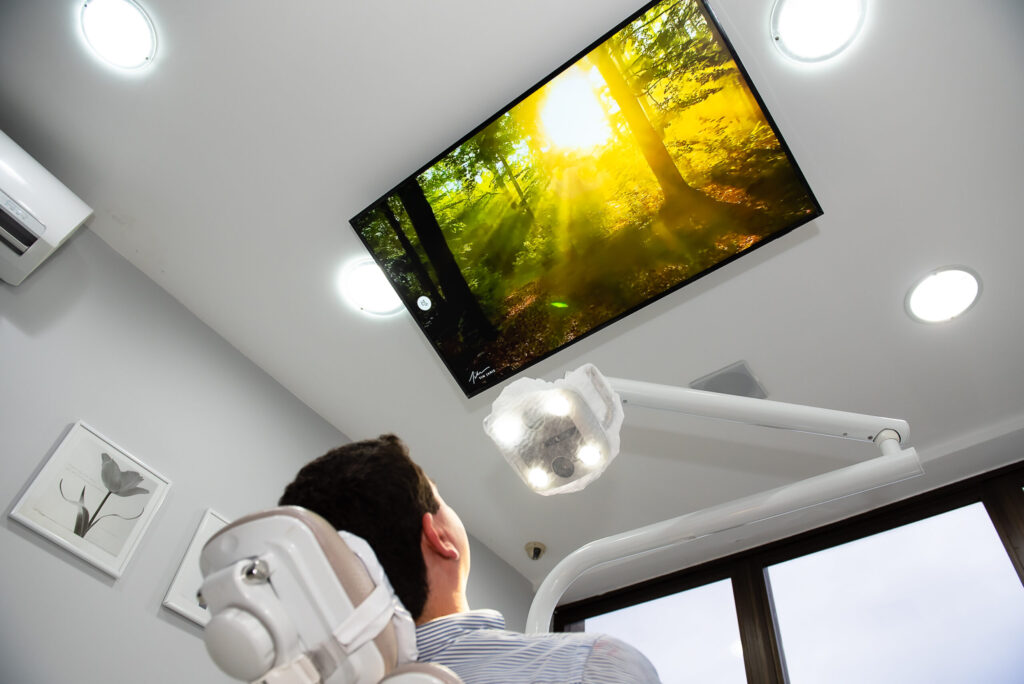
x=346, y=565
x=347, y=568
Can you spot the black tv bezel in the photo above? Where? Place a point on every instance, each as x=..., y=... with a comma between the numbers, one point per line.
x=460, y=375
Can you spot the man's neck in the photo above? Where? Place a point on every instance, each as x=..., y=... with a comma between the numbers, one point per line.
x=444, y=604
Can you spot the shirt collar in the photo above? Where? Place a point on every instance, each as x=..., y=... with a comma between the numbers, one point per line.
x=435, y=635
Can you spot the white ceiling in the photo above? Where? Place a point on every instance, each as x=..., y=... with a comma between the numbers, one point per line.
x=227, y=172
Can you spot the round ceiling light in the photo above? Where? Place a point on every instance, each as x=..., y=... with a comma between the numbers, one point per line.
x=943, y=294
x=366, y=288
x=119, y=31
x=814, y=30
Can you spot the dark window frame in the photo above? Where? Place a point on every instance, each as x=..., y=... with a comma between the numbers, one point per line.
x=1001, y=492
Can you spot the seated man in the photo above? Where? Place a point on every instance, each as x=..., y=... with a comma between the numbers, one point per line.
x=374, y=489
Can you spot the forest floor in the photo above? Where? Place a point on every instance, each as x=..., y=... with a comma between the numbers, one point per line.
x=619, y=274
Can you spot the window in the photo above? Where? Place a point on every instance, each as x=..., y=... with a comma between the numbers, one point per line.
x=692, y=636
x=928, y=590
x=934, y=601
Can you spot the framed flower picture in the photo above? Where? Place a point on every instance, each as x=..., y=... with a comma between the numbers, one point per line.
x=181, y=595
x=94, y=499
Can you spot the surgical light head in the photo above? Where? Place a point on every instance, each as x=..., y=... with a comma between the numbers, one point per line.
x=558, y=436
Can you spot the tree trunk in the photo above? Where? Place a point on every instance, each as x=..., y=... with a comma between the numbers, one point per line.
x=651, y=146
x=457, y=294
x=411, y=256
x=640, y=96
x=511, y=176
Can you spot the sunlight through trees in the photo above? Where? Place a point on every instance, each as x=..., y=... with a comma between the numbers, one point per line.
x=636, y=169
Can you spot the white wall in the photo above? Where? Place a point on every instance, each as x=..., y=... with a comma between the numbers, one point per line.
x=493, y=583
x=88, y=337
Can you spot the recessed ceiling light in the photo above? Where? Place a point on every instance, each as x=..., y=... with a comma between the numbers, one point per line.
x=119, y=31
x=814, y=30
x=365, y=287
x=943, y=294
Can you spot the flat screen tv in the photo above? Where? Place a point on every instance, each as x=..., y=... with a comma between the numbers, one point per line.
x=642, y=164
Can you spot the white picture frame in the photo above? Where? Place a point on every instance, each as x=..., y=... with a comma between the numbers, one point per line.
x=93, y=499
x=181, y=595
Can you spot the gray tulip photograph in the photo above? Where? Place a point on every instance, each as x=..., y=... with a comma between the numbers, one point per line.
x=92, y=498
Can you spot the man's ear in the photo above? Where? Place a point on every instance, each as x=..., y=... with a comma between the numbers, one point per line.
x=435, y=538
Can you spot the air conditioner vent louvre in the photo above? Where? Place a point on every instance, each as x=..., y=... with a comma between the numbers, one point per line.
x=13, y=232
x=37, y=212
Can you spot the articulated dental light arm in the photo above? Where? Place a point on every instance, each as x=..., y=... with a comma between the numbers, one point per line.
x=762, y=412
x=892, y=465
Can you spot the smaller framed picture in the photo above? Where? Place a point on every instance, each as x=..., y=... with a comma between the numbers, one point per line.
x=94, y=499
x=181, y=595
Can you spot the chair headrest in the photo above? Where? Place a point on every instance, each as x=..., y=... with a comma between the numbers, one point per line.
x=288, y=593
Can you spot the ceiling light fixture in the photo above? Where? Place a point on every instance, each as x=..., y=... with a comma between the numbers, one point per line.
x=119, y=31
x=943, y=294
x=364, y=286
x=556, y=453
x=815, y=30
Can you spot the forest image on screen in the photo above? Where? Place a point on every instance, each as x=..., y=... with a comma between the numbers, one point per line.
x=635, y=169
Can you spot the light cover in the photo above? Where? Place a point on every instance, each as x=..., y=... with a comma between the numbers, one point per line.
x=815, y=30
x=559, y=436
x=119, y=31
x=365, y=287
x=943, y=294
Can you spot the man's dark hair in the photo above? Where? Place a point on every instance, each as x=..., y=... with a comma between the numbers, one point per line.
x=374, y=490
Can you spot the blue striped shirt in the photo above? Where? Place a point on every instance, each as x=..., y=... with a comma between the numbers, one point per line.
x=479, y=649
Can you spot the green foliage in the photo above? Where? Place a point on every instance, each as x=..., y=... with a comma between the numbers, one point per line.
x=553, y=239
x=672, y=57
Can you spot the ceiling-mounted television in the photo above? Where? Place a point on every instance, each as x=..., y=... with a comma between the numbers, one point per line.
x=642, y=164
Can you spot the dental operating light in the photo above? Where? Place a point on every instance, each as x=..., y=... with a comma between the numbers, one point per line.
x=560, y=436
x=564, y=451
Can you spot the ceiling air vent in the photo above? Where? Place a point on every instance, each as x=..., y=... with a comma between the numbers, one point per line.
x=735, y=379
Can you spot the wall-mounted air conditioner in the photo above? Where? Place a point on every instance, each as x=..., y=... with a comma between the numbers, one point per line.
x=37, y=213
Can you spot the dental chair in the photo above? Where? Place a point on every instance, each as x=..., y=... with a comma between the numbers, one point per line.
x=293, y=601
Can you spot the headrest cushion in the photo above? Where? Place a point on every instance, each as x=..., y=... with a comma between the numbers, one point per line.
x=401, y=621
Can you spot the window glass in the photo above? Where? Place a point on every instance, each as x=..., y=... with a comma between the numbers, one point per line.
x=933, y=601
x=692, y=636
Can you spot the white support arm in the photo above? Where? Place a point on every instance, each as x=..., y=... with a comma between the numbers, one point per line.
x=894, y=464
x=762, y=412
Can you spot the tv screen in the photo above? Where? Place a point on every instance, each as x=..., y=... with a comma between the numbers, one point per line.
x=644, y=163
